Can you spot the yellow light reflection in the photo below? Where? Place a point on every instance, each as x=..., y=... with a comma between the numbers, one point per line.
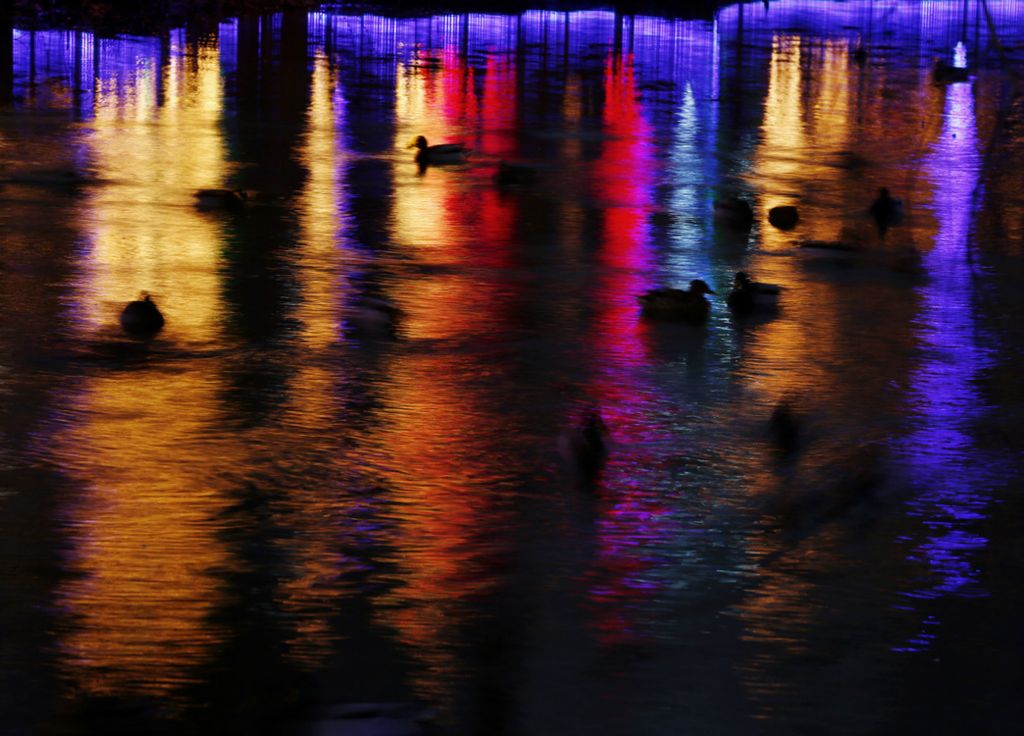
x=431, y=103
x=806, y=119
x=143, y=545
x=319, y=215
x=140, y=441
x=146, y=234
x=310, y=595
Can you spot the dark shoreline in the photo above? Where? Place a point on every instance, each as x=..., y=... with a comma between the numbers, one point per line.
x=111, y=17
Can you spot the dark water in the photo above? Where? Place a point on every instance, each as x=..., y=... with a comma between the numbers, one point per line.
x=264, y=511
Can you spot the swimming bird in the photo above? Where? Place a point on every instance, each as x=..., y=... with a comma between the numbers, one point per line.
x=141, y=317
x=221, y=199
x=784, y=217
x=943, y=73
x=747, y=296
x=734, y=212
x=687, y=305
x=439, y=154
x=886, y=210
x=373, y=316
x=583, y=446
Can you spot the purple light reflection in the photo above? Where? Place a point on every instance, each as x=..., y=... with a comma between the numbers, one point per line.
x=949, y=473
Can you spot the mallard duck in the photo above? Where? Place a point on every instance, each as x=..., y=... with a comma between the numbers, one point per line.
x=221, y=199
x=784, y=217
x=583, y=446
x=141, y=317
x=441, y=153
x=747, y=296
x=886, y=210
x=943, y=73
x=734, y=212
x=373, y=316
x=687, y=305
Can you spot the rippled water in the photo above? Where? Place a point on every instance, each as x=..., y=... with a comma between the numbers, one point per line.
x=265, y=511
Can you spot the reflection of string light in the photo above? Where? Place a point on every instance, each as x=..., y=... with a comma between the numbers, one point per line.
x=144, y=605
x=942, y=449
x=960, y=55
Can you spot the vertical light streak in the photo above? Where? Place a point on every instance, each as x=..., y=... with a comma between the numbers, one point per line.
x=950, y=474
x=313, y=590
x=137, y=441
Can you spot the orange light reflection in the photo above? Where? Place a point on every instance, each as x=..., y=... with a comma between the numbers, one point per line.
x=138, y=441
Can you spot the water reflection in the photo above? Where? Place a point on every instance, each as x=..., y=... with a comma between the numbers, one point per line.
x=951, y=474
x=261, y=492
x=138, y=531
x=145, y=234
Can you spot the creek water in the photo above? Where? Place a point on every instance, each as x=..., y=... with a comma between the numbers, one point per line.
x=264, y=510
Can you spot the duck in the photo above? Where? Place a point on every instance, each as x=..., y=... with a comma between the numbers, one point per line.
x=439, y=154
x=677, y=304
x=221, y=199
x=860, y=56
x=583, y=446
x=886, y=210
x=141, y=317
x=374, y=316
x=943, y=73
x=784, y=217
x=734, y=212
x=748, y=296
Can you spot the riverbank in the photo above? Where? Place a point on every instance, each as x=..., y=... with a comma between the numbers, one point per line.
x=129, y=16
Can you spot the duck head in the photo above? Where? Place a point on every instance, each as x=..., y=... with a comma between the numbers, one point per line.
x=420, y=143
x=700, y=287
x=741, y=280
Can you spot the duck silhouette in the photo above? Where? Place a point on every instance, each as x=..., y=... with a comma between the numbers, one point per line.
x=221, y=199
x=685, y=305
x=784, y=217
x=583, y=445
x=943, y=73
x=886, y=210
x=141, y=317
x=748, y=296
x=373, y=316
x=734, y=213
x=438, y=154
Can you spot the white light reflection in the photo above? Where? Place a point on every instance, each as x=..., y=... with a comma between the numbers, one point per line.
x=960, y=56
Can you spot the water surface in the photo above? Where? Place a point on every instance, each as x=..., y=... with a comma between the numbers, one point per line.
x=263, y=510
